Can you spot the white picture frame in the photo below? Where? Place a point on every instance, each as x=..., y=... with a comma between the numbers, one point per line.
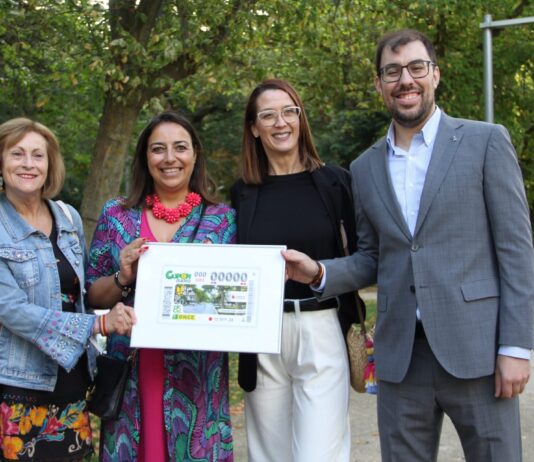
x=210, y=297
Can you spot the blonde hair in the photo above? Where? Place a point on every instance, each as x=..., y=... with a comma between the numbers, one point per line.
x=12, y=131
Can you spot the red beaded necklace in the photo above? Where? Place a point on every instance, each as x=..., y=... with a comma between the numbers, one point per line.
x=171, y=215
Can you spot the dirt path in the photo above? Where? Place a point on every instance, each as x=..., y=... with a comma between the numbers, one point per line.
x=365, y=444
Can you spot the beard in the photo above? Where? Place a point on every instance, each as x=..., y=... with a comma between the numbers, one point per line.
x=410, y=119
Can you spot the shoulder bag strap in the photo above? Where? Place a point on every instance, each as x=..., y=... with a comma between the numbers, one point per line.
x=358, y=300
x=66, y=210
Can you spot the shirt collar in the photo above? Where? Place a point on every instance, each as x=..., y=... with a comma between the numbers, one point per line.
x=429, y=130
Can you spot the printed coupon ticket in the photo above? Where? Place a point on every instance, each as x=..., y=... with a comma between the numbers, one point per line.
x=209, y=296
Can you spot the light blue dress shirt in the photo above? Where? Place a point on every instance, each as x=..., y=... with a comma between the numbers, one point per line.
x=408, y=168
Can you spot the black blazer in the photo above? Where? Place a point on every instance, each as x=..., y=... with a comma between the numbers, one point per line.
x=333, y=185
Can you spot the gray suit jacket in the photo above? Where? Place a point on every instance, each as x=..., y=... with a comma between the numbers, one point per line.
x=469, y=266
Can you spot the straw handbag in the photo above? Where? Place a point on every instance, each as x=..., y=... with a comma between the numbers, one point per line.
x=360, y=348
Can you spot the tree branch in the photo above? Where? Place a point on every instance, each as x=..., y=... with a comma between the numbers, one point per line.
x=217, y=105
x=184, y=66
x=224, y=27
x=145, y=19
x=138, y=20
x=121, y=13
x=178, y=69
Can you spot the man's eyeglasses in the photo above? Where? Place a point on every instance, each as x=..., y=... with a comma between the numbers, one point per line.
x=269, y=117
x=417, y=69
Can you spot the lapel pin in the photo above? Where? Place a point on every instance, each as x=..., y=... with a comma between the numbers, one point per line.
x=453, y=139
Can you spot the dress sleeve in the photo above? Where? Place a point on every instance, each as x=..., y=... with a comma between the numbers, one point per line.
x=100, y=254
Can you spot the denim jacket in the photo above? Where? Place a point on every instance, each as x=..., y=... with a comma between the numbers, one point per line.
x=35, y=334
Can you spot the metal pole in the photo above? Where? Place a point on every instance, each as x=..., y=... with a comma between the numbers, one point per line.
x=487, y=26
x=506, y=23
x=488, y=70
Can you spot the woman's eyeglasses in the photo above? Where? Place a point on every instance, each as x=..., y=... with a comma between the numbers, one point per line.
x=269, y=117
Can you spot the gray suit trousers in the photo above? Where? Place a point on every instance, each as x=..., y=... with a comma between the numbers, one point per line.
x=410, y=414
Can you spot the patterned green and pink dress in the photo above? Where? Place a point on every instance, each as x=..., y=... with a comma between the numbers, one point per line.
x=196, y=421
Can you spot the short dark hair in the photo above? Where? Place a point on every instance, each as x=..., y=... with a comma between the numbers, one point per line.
x=255, y=165
x=12, y=131
x=142, y=182
x=398, y=38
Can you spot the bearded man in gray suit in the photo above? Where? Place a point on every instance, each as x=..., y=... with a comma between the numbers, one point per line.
x=444, y=231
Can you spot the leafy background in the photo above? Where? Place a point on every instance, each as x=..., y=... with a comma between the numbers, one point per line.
x=96, y=71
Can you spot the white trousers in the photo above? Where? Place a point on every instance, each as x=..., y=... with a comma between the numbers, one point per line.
x=299, y=409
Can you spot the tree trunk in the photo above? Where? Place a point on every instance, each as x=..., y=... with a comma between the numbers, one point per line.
x=107, y=167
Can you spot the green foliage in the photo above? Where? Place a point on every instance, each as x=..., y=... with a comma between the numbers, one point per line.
x=45, y=52
x=348, y=133
x=61, y=61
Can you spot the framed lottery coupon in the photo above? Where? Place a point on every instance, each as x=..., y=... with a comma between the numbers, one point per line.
x=210, y=297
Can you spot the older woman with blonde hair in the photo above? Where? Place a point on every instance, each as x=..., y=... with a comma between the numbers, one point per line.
x=46, y=362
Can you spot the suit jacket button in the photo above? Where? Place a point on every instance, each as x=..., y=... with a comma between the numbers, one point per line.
x=415, y=247
x=412, y=289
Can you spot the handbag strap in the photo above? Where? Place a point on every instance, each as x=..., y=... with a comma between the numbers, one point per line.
x=66, y=210
x=359, y=302
x=67, y=213
x=359, y=310
x=96, y=345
